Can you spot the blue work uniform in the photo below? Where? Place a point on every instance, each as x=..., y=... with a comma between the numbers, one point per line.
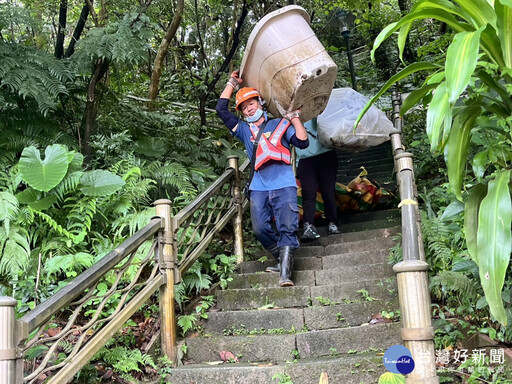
x=273, y=187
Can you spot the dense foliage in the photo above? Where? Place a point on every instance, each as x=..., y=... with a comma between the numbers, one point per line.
x=86, y=147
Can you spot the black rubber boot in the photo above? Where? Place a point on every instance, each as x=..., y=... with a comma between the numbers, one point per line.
x=275, y=252
x=286, y=261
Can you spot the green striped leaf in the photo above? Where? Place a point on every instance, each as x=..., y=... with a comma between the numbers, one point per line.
x=445, y=5
x=475, y=197
x=504, y=29
x=410, y=69
x=480, y=12
x=415, y=96
x=457, y=147
x=461, y=59
x=429, y=13
x=439, y=114
x=491, y=45
x=494, y=242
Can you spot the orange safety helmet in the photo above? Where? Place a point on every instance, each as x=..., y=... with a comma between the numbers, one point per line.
x=246, y=93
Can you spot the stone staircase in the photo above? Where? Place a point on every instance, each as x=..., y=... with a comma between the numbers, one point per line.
x=321, y=325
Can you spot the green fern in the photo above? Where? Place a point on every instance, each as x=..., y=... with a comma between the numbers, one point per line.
x=447, y=283
x=8, y=208
x=124, y=360
x=14, y=251
x=68, y=264
x=29, y=73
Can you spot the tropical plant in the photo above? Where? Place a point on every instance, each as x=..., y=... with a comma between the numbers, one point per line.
x=470, y=107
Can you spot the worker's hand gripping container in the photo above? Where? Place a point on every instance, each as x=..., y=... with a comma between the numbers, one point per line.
x=287, y=63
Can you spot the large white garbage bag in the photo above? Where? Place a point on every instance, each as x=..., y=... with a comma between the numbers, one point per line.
x=336, y=122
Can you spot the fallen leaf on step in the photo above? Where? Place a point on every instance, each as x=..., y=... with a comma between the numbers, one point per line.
x=217, y=362
x=379, y=319
x=324, y=378
x=227, y=356
x=266, y=365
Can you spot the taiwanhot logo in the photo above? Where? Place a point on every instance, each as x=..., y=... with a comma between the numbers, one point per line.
x=398, y=359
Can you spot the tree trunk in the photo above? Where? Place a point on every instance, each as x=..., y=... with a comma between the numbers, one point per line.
x=162, y=51
x=59, y=44
x=78, y=30
x=227, y=60
x=91, y=107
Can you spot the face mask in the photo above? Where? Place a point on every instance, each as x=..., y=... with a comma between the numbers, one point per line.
x=255, y=117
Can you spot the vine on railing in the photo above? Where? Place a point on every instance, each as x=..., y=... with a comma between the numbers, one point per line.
x=69, y=331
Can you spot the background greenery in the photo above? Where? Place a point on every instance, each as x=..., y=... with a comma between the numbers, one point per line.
x=92, y=133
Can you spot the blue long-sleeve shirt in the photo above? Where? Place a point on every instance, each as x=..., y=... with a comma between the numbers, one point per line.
x=276, y=174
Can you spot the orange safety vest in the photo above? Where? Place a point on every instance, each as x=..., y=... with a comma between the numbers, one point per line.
x=271, y=148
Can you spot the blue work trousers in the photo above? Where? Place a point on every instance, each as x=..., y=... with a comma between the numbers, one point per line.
x=281, y=205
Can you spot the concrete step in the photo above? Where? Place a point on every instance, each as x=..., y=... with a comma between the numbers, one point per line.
x=348, y=237
x=300, y=264
x=288, y=297
x=384, y=243
x=362, y=368
x=355, y=291
x=273, y=321
x=331, y=269
x=342, y=340
x=367, y=225
x=370, y=216
x=281, y=347
x=265, y=279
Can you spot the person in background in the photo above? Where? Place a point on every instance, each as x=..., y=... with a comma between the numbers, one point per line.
x=273, y=190
x=317, y=167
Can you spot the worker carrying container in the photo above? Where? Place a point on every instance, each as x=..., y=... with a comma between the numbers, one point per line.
x=286, y=62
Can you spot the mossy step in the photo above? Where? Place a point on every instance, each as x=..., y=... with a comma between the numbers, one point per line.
x=360, y=246
x=331, y=269
x=291, y=320
x=344, y=340
x=280, y=347
x=287, y=297
x=370, y=216
x=264, y=279
x=364, y=368
x=341, y=273
x=355, y=291
x=363, y=235
x=375, y=224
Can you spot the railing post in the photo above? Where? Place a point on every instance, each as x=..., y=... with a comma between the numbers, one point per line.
x=168, y=268
x=411, y=273
x=8, y=341
x=238, y=219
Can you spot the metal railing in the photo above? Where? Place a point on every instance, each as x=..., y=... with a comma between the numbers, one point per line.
x=70, y=327
x=412, y=278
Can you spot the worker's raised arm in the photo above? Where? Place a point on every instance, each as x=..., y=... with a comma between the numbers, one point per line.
x=232, y=85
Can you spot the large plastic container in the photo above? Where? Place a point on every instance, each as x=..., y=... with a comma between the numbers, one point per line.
x=287, y=63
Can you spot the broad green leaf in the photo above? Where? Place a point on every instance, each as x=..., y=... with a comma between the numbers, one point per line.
x=415, y=96
x=410, y=69
x=461, y=59
x=457, y=147
x=494, y=242
x=402, y=39
x=445, y=5
x=453, y=209
x=391, y=378
x=504, y=29
x=475, y=197
x=480, y=11
x=100, y=183
x=29, y=195
x=438, y=114
x=44, y=203
x=479, y=164
x=44, y=175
